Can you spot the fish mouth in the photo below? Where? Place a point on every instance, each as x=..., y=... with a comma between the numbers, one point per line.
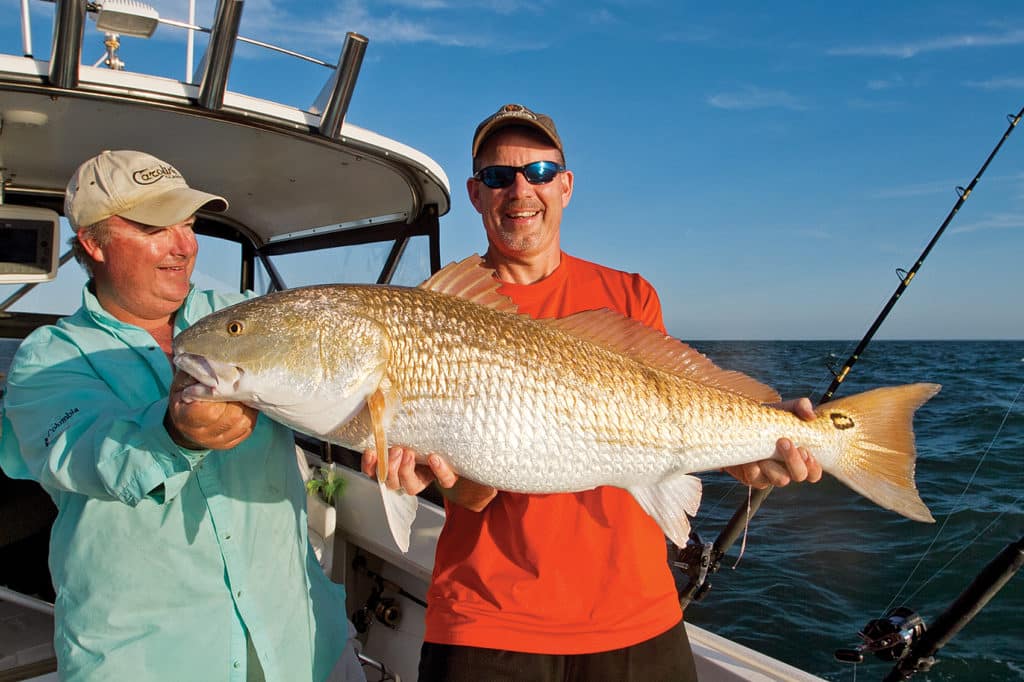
x=215, y=379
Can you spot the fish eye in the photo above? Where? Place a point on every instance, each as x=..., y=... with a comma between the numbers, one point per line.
x=235, y=327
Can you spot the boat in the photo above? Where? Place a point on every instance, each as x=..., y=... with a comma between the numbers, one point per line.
x=314, y=199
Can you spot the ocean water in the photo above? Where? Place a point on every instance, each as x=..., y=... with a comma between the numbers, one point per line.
x=820, y=561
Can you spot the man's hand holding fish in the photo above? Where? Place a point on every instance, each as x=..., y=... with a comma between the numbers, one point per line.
x=204, y=424
x=794, y=464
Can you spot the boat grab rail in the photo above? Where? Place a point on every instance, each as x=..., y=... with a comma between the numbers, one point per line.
x=9, y=595
x=66, y=52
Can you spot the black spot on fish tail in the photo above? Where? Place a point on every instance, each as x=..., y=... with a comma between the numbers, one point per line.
x=841, y=421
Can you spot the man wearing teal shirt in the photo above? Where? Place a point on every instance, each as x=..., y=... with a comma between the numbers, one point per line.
x=180, y=549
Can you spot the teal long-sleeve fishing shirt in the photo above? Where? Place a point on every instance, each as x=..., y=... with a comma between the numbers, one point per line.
x=168, y=563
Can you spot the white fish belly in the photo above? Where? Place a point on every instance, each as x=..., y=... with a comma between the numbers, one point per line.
x=518, y=447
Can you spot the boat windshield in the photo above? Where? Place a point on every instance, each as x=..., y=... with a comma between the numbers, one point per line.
x=357, y=263
x=220, y=264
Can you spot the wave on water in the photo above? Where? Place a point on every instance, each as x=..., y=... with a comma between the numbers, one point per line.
x=821, y=561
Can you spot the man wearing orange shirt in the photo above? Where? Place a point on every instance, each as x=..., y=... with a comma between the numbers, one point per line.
x=568, y=586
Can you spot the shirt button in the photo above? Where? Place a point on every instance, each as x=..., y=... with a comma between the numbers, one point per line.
x=228, y=536
x=238, y=594
x=237, y=665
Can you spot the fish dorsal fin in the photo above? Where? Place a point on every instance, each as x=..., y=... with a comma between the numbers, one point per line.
x=470, y=279
x=635, y=340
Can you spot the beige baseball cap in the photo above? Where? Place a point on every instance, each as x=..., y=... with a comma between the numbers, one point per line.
x=133, y=185
x=516, y=114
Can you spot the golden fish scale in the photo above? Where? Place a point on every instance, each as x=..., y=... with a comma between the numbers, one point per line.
x=472, y=380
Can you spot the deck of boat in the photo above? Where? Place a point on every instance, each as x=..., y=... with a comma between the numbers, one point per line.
x=26, y=640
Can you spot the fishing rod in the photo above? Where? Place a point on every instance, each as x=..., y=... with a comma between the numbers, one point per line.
x=699, y=559
x=902, y=636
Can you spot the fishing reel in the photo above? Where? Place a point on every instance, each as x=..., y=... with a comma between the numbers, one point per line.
x=888, y=638
x=691, y=566
x=378, y=608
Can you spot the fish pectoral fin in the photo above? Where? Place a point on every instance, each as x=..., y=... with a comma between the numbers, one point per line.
x=377, y=407
x=670, y=502
x=400, y=510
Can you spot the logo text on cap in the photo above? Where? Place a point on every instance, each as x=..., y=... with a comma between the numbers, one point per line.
x=147, y=176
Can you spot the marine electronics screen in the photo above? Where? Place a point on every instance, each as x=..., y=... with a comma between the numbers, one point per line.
x=28, y=244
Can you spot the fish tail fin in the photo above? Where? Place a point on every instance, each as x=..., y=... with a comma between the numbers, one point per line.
x=879, y=461
x=400, y=510
x=669, y=501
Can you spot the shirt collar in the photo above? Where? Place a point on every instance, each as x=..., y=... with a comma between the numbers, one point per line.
x=102, y=317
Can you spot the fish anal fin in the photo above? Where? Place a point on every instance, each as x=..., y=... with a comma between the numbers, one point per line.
x=472, y=280
x=670, y=502
x=635, y=340
x=400, y=510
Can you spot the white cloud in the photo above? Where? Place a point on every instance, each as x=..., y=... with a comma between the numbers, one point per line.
x=752, y=97
x=886, y=83
x=322, y=26
x=999, y=221
x=944, y=186
x=330, y=28
x=1006, y=83
x=914, y=48
x=601, y=17
x=318, y=28
x=422, y=4
x=916, y=190
x=691, y=35
x=814, y=233
x=875, y=104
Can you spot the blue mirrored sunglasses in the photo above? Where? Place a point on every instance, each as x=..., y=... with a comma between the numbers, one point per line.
x=536, y=173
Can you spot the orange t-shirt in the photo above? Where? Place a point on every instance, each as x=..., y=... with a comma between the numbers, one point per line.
x=564, y=573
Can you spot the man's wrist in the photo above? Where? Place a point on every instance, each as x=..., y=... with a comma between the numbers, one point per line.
x=177, y=436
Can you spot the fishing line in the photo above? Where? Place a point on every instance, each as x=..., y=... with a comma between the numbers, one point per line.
x=708, y=507
x=980, y=533
x=750, y=501
x=746, y=527
x=704, y=557
x=957, y=507
x=730, y=533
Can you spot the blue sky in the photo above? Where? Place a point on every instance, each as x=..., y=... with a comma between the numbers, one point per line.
x=767, y=166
